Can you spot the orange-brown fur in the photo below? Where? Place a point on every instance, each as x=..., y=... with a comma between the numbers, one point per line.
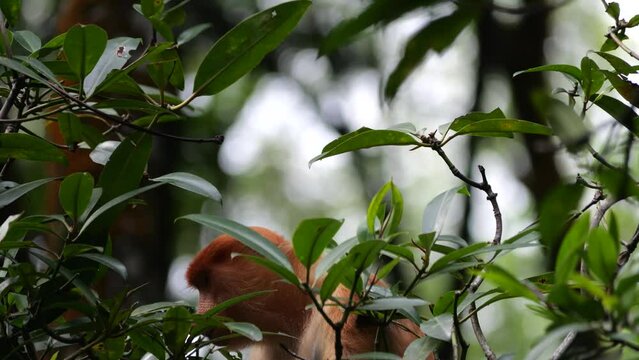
x=219, y=277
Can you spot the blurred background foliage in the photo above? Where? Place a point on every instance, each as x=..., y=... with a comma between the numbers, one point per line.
x=280, y=115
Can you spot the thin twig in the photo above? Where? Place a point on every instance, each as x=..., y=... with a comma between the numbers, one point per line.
x=630, y=248
x=622, y=46
x=10, y=101
x=561, y=349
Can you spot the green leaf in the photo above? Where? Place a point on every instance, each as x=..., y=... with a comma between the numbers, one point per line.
x=247, y=330
x=218, y=308
x=507, y=282
x=620, y=65
x=378, y=355
x=75, y=193
x=365, y=138
x=627, y=89
x=142, y=338
x=335, y=255
x=10, y=195
x=190, y=33
x=243, y=47
x=592, y=77
x=613, y=10
x=167, y=69
x=508, y=126
x=27, y=147
x=421, y=348
x=83, y=46
x=379, y=11
x=365, y=254
x=151, y=7
x=455, y=255
x=119, y=200
x=601, y=255
x=192, y=183
x=436, y=210
x=114, y=56
x=70, y=127
x=175, y=327
x=108, y=261
x=28, y=40
x=311, y=238
x=440, y=327
x=634, y=21
x=55, y=43
x=572, y=71
x=280, y=270
x=621, y=112
x=571, y=249
x=470, y=118
x=392, y=303
x=123, y=171
x=243, y=234
x=17, y=66
x=11, y=11
x=437, y=35
x=334, y=277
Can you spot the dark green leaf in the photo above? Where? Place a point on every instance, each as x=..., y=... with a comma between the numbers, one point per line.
x=592, y=77
x=572, y=71
x=124, y=171
x=400, y=251
x=566, y=124
x=508, y=126
x=11, y=11
x=620, y=65
x=437, y=36
x=613, y=10
x=634, y=21
x=151, y=7
x=244, y=46
x=75, y=193
x=114, y=56
x=83, y=46
x=334, y=277
x=280, y=270
x=470, y=118
x=601, y=255
x=247, y=330
x=621, y=112
x=379, y=11
x=627, y=89
x=167, y=69
x=311, y=238
x=10, y=195
x=150, y=343
x=362, y=139
x=70, y=128
x=175, y=327
x=192, y=183
x=27, y=147
x=236, y=300
x=118, y=200
x=243, y=234
x=108, y=261
x=365, y=254
x=571, y=250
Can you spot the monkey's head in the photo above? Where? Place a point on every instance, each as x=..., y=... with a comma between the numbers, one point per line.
x=220, y=273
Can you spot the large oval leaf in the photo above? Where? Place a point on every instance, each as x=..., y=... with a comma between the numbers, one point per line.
x=115, y=55
x=504, y=126
x=243, y=234
x=243, y=47
x=365, y=138
x=83, y=46
x=27, y=147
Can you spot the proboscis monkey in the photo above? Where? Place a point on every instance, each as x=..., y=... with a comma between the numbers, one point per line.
x=218, y=277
